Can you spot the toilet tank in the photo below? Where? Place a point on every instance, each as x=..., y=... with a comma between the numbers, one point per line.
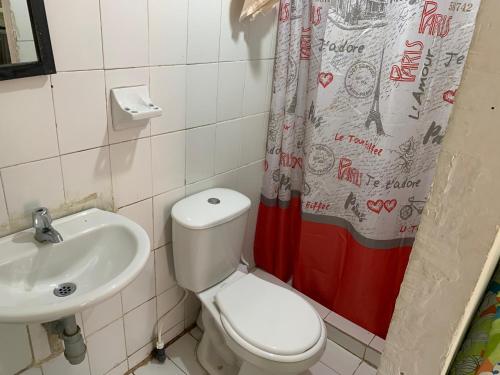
x=208, y=230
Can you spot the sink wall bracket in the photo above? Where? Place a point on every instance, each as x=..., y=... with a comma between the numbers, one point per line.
x=68, y=331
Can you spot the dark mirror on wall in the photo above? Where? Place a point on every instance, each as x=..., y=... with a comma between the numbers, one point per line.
x=25, y=48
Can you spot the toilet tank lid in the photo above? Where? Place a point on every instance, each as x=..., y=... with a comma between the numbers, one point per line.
x=210, y=208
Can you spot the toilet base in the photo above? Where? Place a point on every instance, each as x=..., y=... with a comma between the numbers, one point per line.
x=217, y=358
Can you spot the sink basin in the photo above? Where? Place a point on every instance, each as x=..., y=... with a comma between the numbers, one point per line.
x=101, y=253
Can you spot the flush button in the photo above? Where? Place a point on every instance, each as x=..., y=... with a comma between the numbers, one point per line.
x=213, y=200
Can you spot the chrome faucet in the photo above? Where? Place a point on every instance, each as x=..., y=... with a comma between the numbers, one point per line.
x=44, y=231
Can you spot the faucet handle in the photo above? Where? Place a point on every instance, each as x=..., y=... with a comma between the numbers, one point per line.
x=41, y=217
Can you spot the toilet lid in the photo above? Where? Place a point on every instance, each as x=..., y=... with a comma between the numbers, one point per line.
x=268, y=316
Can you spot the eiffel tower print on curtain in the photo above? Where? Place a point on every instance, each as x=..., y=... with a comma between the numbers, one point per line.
x=374, y=115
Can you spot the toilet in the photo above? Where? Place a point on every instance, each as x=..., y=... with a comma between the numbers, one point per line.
x=251, y=326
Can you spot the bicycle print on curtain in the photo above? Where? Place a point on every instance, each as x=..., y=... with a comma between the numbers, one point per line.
x=362, y=94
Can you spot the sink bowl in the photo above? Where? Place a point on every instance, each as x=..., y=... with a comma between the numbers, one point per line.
x=101, y=253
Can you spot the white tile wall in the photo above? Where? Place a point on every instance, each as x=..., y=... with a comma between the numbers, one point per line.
x=168, y=90
x=106, y=348
x=140, y=325
x=125, y=35
x=14, y=352
x=200, y=158
x=142, y=288
x=19, y=183
x=57, y=134
x=201, y=91
x=230, y=90
x=131, y=171
x=87, y=178
x=168, y=21
x=169, y=161
x=80, y=108
x=73, y=25
x=28, y=123
x=141, y=213
x=102, y=314
x=203, y=31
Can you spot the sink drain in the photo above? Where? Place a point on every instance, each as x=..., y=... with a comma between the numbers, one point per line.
x=64, y=290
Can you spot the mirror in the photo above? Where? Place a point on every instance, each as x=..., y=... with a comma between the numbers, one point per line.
x=25, y=48
x=17, y=44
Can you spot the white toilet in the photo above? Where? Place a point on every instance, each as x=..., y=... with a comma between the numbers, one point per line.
x=251, y=326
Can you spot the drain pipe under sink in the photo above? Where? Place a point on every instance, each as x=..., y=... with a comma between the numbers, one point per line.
x=67, y=329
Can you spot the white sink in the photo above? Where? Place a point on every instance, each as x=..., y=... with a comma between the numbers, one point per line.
x=101, y=253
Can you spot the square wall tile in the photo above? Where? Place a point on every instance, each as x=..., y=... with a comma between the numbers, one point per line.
x=102, y=314
x=106, y=348
x=256, y=97
x=201, y=91
x=73, y=24
x=39, y=341
x=228, y=142
x=171, y=318
x=254, y=138
x=131, y=171
x=164, y=266
x=28, y=122
x=142, y=288
x=168, y=90
x=162, y=205
x=15, y=352
x=61, y=366
x=233, y=45
x=169, y=161
x=22, y=198
x=168, y=300
x=192, y=308
x=140, y=326
x=125, y=33
x=200, y=153
x=168, y=21
x=230, y=90
x=203, y=31
x=141, y=213
x=124, y=78
x=80, y=107
x=87, y=178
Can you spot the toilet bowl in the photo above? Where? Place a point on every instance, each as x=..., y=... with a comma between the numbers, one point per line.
x=268, y=329
x=251, y=326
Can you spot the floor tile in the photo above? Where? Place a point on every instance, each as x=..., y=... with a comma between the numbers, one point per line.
x=339, y=359
x=320, y=369
x=365, y=369
x=154, y=368
x=183, y=354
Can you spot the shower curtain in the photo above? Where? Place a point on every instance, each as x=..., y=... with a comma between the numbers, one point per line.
x=361, y=97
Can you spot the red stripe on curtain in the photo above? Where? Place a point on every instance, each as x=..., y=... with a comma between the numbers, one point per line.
x=330, y=266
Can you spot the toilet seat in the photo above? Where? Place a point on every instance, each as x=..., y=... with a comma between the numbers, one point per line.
x=268, y=320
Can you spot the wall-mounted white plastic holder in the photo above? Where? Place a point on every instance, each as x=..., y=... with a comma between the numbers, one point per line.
x=132, y=107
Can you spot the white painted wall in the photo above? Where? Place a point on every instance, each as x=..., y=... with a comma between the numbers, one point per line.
x=460, y=220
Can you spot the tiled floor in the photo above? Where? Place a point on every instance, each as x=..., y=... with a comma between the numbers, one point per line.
x=182, y=360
